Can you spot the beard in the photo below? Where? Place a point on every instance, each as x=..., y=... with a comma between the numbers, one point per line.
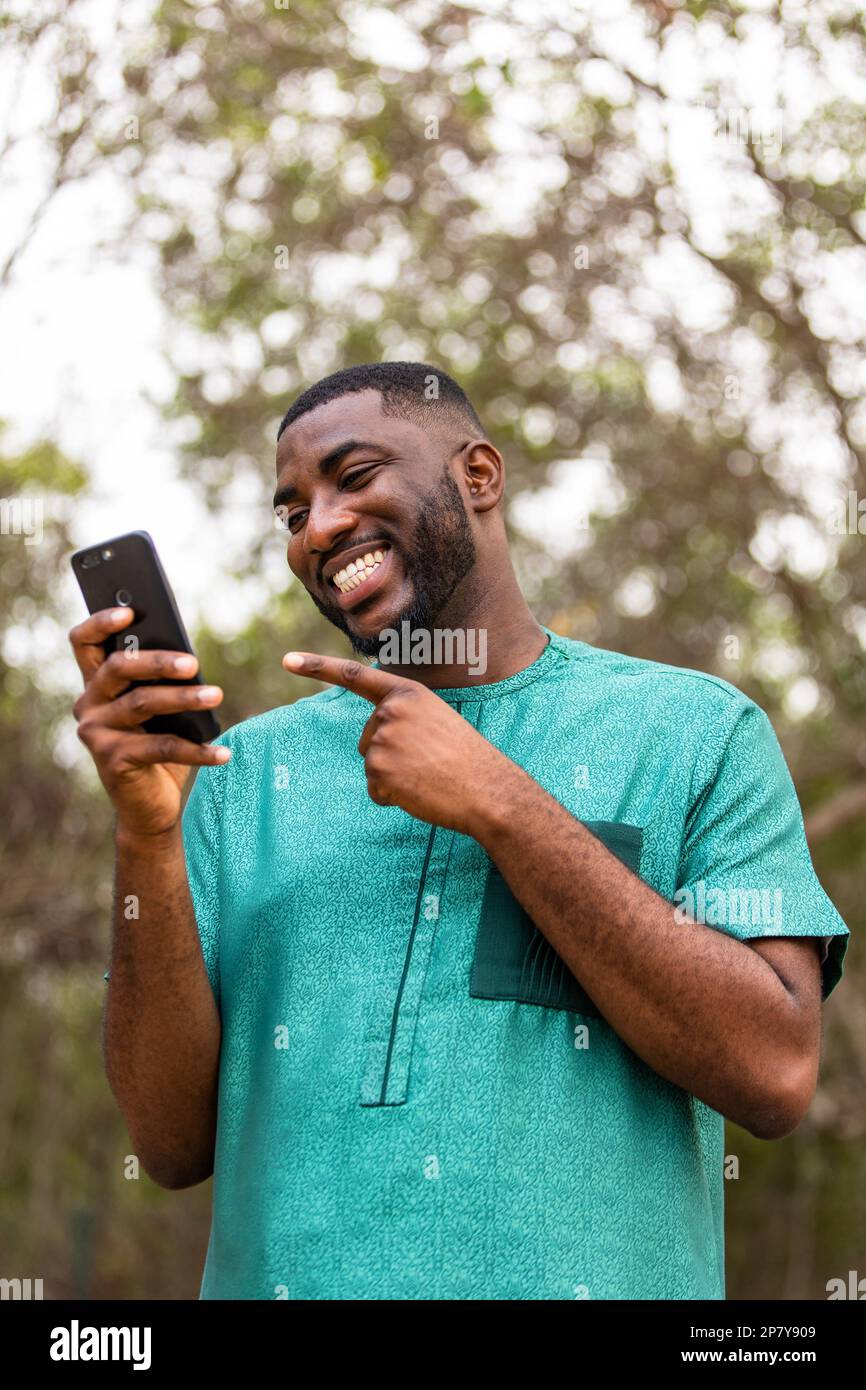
x=441, y=554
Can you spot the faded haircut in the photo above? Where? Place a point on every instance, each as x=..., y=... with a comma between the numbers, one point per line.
x=414, y=390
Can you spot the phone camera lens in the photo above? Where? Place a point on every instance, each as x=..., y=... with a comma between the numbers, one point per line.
x=123, y=597
x=107, y=554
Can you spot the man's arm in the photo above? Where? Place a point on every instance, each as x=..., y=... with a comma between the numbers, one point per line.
x=161, y=1036
x=736, y=1025
x=161, y=1027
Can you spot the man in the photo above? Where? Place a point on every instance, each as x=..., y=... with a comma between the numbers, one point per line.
x=469, y=964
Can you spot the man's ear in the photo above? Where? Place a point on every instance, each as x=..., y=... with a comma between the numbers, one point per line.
x=483, y=472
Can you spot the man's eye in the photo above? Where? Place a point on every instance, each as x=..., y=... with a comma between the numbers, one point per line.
x=350, y=479
x=285, y=521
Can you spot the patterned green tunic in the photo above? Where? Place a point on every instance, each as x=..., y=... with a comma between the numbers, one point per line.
x=417, y=1099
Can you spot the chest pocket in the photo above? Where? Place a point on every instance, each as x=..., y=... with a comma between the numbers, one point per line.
x=514, y=961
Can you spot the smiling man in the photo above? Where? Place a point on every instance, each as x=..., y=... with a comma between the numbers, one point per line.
x=450, y=981
x=409, y=456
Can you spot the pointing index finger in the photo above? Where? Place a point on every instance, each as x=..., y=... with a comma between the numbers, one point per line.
x=369, y=681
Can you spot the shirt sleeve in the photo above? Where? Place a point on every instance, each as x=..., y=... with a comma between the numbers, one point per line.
x=745, y=866
x=202, y=834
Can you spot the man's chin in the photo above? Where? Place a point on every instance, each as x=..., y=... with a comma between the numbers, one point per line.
x=367, y=636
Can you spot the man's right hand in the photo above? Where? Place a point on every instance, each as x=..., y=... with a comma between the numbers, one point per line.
x=143, y=773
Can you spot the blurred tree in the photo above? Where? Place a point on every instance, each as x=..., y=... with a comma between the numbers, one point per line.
x=71, y=1213
x=50, y=853
x=56, y=132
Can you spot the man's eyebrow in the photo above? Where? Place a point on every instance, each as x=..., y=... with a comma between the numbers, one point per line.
x=327, y=465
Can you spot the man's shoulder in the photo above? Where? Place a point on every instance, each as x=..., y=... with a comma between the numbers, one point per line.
x=654, y=686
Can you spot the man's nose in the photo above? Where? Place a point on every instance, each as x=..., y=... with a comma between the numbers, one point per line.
x=327, y=521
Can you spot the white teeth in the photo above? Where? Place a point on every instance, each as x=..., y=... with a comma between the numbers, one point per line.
x=358, y=570
x=346, y=582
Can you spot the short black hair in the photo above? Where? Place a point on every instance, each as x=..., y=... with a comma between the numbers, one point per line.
x=414, y=390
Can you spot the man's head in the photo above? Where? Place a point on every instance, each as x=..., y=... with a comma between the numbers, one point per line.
x=388, y=463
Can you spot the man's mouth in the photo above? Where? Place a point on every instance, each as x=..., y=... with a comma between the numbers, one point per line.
x=362, y=576
x=358, y=570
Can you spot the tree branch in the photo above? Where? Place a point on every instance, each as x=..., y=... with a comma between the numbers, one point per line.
x=839, y=811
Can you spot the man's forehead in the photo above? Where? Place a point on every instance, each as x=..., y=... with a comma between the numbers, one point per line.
x=357, y=415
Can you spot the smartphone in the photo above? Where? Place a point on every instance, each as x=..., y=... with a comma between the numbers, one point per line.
x=126, y=572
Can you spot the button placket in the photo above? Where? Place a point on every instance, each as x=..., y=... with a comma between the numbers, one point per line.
x=388, y=1052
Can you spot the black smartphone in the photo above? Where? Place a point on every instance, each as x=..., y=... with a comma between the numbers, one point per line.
x=126, y=572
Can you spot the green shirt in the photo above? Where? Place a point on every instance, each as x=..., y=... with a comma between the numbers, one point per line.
x=417, y=1100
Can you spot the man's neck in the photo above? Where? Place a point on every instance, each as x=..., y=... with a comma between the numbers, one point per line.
x=489, y=642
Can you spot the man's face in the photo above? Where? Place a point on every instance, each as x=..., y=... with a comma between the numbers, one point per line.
x=359, y=488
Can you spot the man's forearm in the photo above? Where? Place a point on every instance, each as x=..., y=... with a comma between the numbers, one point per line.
x=162, y=1027
x=702, y=1009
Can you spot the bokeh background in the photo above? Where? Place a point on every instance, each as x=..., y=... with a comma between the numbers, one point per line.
x=635, y=233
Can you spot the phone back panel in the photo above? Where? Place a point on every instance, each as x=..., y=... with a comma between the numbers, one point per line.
x=126, y=571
